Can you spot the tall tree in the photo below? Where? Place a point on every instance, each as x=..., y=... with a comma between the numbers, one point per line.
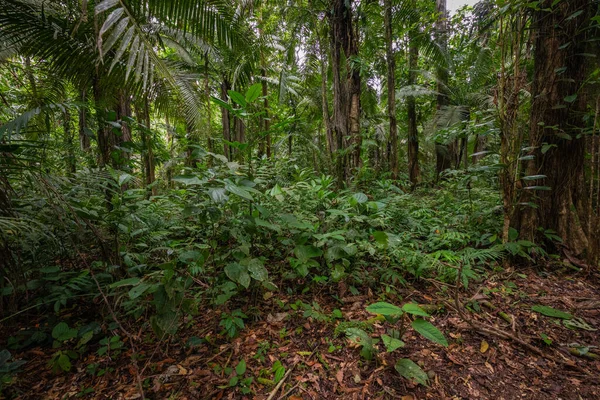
x=391, y=88
x=443, y=151
x=346, y=87
x=414, y=171
x=557, y=124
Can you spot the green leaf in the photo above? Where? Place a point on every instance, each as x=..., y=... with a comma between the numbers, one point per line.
x=222, y=103
x=138, y=290
x=125, y=282
x=257, y=270
x=279, y=373
x=218, y=195
x=253, y=92
x=409, y=370
x=381, y=238
x=232, y=188
x=360, y=197
x=534, y=177
x=391, y=343
x=385, y=309
x=414, y=309
x=545, y=188
x=571, y=98
x=240, y=369
x=62, y=332
x=238, y=273
x=429, y=331
x=304, y=253
x=188, y=180
x=551, y=312
x=237, y=97
x=64, y=362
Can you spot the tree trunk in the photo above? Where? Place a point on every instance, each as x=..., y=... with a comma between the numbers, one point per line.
x=331, y=144
x=84, y=138
x=346, y=88
x=225, y=119
x=414, y=172
x=444, y=153
x=391, y=87
x=557, y=120
x=208, y=106
x=123, y=113
x=149, y=164
x=104, y=134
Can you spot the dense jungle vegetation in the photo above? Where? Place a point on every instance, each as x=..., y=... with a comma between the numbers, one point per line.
x=299, y=199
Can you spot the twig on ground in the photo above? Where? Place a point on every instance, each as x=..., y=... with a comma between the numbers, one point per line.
x=490, y=330
x=287, y=374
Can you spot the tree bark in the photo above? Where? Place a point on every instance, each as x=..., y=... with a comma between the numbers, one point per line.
x=391, y=88
x=557, y=122
x=84, y=138
x=444, y=152
x=225, y=119
x=346, y=88
x=414, y=171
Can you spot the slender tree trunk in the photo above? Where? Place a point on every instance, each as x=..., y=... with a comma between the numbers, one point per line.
x=104, y=134
x=123, y=113
x=265, y=141
x=444, y=153
x=331, y=144
x=70, y=154
x=84, y=138
x=149, y=164
x=391, y=88
x=414, y=172
x=225, y=119
x=557, y=119
x=208, y=105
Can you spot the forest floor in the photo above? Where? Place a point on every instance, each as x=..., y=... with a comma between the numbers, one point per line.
x=283, y=342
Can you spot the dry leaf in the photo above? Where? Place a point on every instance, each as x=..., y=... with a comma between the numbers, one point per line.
x=340, y=376
x=484, y=346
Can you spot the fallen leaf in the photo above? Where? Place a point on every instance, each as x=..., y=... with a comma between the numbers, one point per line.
x=484, y=346
x=340, y=376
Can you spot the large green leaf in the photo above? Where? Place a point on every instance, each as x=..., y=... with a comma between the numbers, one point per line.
x=237, y=97
x=257, y=270
x=429, y=331
x=408, y=369
x=253, y=92
x=238, y=273
x=305, y=253
x=551, y=312
x=230, y=187
x=414, y=309
x=385, y=309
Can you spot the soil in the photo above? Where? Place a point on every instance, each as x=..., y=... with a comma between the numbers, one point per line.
x=319, y=365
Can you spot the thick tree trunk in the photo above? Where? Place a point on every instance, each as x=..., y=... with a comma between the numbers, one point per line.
x=557, y=120
x=391, y=88
x=346, y=88
x=414, y=172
